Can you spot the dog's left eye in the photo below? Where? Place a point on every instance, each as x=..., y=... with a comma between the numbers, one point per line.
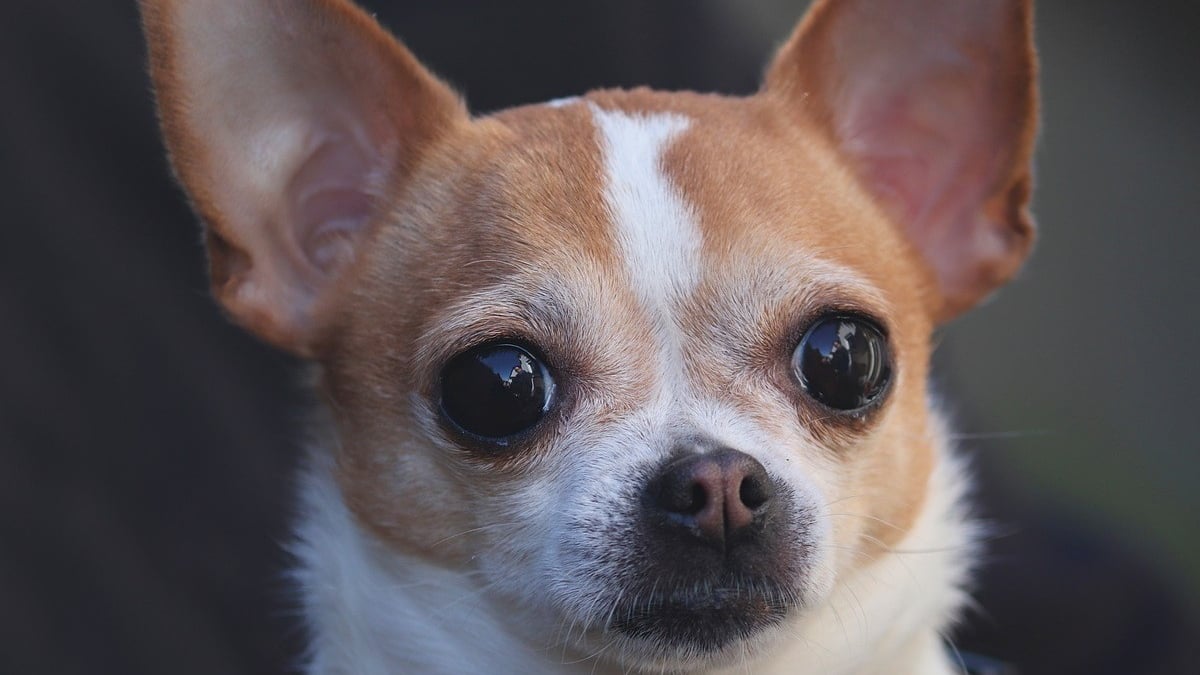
x=496, y=391
x=843, y=362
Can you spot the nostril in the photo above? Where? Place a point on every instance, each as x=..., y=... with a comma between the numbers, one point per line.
x=699, y=500
x=752, y=493
x=681, y=493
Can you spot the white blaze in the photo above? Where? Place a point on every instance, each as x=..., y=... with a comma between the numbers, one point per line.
x=657, y=232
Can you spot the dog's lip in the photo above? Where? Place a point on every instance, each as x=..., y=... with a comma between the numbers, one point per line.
x=702, y=618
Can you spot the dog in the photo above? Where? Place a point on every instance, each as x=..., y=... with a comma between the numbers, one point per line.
x=626, y=382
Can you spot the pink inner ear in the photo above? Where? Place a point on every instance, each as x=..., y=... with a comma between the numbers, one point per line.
x=929, y=141
x=930, y=155
x=932, y=103
x=330, y=201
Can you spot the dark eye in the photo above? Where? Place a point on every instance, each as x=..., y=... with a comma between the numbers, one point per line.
x=496, y=391
x=843, y=362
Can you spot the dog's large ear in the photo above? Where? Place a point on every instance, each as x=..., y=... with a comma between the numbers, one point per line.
x=933, y=102
x=285, y=119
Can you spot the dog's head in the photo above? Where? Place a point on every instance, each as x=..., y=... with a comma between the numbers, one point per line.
x=652, y=366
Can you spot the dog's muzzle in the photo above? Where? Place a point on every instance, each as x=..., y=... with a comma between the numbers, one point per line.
x=719, y=556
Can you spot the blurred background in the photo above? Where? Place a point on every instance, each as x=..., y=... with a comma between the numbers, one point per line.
x=147, y=447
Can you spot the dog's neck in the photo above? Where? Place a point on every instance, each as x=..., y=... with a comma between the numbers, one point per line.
x=369, y=606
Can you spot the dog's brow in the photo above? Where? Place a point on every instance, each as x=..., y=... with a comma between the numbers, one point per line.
x=503, y=310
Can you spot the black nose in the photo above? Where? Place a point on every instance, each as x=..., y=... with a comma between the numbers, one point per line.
x=715, y=496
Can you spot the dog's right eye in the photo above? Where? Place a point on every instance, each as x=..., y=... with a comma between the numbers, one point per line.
x=496, y=391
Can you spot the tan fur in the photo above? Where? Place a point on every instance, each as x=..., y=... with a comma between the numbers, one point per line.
x=467, y=220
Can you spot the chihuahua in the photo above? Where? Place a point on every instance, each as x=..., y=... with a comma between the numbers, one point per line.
x=631, y=381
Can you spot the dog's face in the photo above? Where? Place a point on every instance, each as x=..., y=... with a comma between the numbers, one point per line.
x=650, y=278
x=650, y=366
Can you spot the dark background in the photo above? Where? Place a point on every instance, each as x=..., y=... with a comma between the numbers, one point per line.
x=147, y=447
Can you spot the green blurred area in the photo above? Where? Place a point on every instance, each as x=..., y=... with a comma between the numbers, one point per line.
x=1091, y=351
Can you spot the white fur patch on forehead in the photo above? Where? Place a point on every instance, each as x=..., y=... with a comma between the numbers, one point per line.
x=657, y=231
x=562, y=102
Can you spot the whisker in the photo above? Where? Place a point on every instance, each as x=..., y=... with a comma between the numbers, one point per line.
x=481, y=528
x=999, y=435
x=876, y=519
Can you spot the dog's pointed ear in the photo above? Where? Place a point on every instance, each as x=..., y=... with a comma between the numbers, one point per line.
x=933, y=103
x=285, y=120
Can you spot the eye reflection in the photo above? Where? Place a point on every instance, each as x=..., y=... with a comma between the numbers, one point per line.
x=495, y=391
x=843, y=362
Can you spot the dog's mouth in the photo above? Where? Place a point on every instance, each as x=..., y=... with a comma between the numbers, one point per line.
x=703, y=618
